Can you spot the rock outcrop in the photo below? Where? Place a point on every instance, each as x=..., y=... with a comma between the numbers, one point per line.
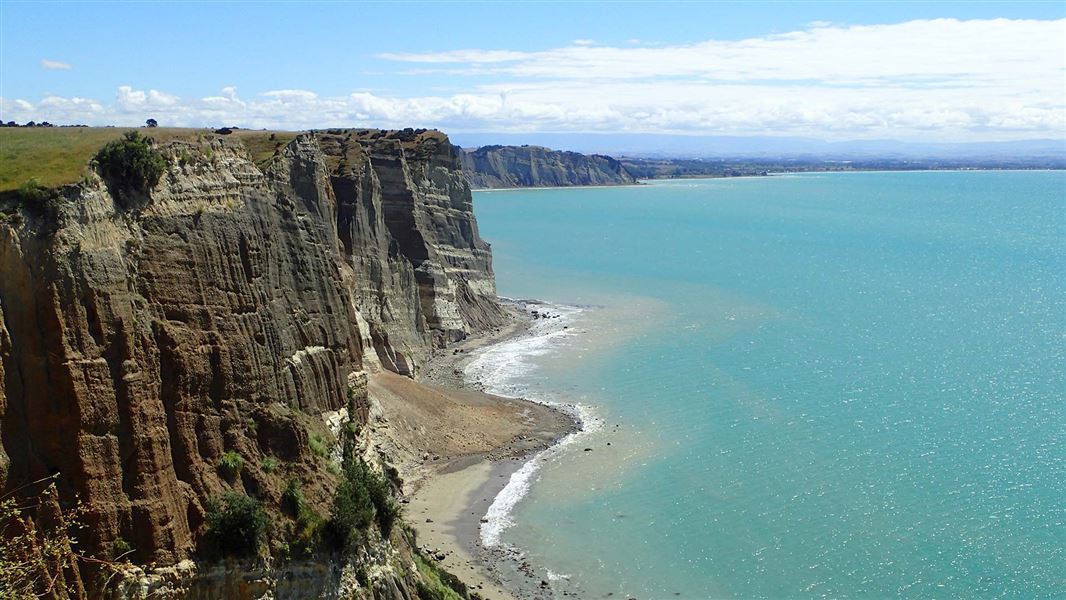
x=236, y=310
x=536, y=166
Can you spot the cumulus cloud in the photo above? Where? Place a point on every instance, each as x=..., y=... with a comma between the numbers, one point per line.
x=54, y=65
x=938, y=51
x=938, y=79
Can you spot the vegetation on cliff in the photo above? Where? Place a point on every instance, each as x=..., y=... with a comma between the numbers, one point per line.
x=236, y=525
x=131, y=165
x=60, y=156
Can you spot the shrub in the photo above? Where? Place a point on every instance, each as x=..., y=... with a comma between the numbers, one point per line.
x=236, y=524
x=32, y=192
x=131, y=164
x=317, y=445
x=435, y=583
x=231, y=464
x=352, y=511
x=306, y=533
x=269, y=464
x=185, y=157
x=292, y=499
x=386, y=510
x=120, y=548
x=362, y=497
x=37, y=555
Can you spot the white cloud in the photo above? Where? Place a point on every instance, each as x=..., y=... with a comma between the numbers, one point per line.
x=293, y=96
x=54, y=65
x=583, y=42
x=927, y=52
x=921, y=80
x=901, y=113
x=129, y=99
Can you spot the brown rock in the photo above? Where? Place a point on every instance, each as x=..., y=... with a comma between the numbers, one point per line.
x=232, y=310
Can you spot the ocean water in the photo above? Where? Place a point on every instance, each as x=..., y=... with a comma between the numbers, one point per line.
x=819, y=385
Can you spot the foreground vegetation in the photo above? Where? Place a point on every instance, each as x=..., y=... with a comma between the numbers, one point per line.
x=39, y=555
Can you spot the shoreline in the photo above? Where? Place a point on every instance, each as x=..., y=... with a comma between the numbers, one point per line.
x=601, y=186
x=651, y=180
x=446, y=514
x=450, y=507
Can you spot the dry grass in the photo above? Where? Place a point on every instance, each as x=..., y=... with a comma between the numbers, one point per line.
x=260, y=144
x=57, y=156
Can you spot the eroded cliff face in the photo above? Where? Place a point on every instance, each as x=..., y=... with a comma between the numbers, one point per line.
x=237, y=309
x=536, y=166
x=410, y=188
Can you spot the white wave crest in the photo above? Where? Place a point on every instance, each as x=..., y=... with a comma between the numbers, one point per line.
x=501, y=369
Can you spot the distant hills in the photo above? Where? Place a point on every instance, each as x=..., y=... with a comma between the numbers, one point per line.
x=1049, y=153
x=535, y=166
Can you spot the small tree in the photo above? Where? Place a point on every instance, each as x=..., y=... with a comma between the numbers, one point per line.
x=131, y=165
x=152, y=123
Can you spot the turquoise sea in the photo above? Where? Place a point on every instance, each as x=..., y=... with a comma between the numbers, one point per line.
x=844, y=385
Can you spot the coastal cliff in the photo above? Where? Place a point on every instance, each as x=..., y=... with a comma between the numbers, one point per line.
x=235, y=310
x=535, y=166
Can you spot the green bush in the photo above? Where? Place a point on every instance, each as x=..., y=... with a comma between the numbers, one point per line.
x=269, y=464
x=131, y=164
x=236, y=525
x=231, y=464
x=317, y=445
x=292, y=499
x=362, y=497
x=120, y=548
x=32, y=192
x=435, y=583
x=305, y=533
x=386, y=510
x=352, y=511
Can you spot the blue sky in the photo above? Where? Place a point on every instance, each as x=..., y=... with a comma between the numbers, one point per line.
x=675, y=67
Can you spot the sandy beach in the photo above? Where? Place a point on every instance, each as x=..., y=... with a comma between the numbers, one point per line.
x=455, y=449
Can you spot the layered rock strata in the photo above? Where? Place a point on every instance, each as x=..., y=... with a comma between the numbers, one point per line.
x=536, y=166
x=236, y=309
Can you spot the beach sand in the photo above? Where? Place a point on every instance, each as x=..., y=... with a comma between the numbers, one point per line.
x=455, y=449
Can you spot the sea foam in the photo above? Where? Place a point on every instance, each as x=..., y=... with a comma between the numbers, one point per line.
x=503, y=369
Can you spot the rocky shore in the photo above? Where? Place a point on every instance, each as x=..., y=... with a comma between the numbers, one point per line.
x=456, y=448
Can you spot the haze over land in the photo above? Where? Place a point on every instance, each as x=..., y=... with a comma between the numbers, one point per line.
x=756, y=147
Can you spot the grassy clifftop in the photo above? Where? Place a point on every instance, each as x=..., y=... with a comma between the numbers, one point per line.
x=56, y=156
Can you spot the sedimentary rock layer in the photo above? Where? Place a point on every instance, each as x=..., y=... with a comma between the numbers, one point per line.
x=535, y=166
x=228, y=311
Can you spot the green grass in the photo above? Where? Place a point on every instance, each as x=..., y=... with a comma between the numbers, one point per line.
x=58, y=156
x=260, y=146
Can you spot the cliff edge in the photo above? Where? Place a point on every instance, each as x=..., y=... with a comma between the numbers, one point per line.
x=235, y=310
x=535, y=166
